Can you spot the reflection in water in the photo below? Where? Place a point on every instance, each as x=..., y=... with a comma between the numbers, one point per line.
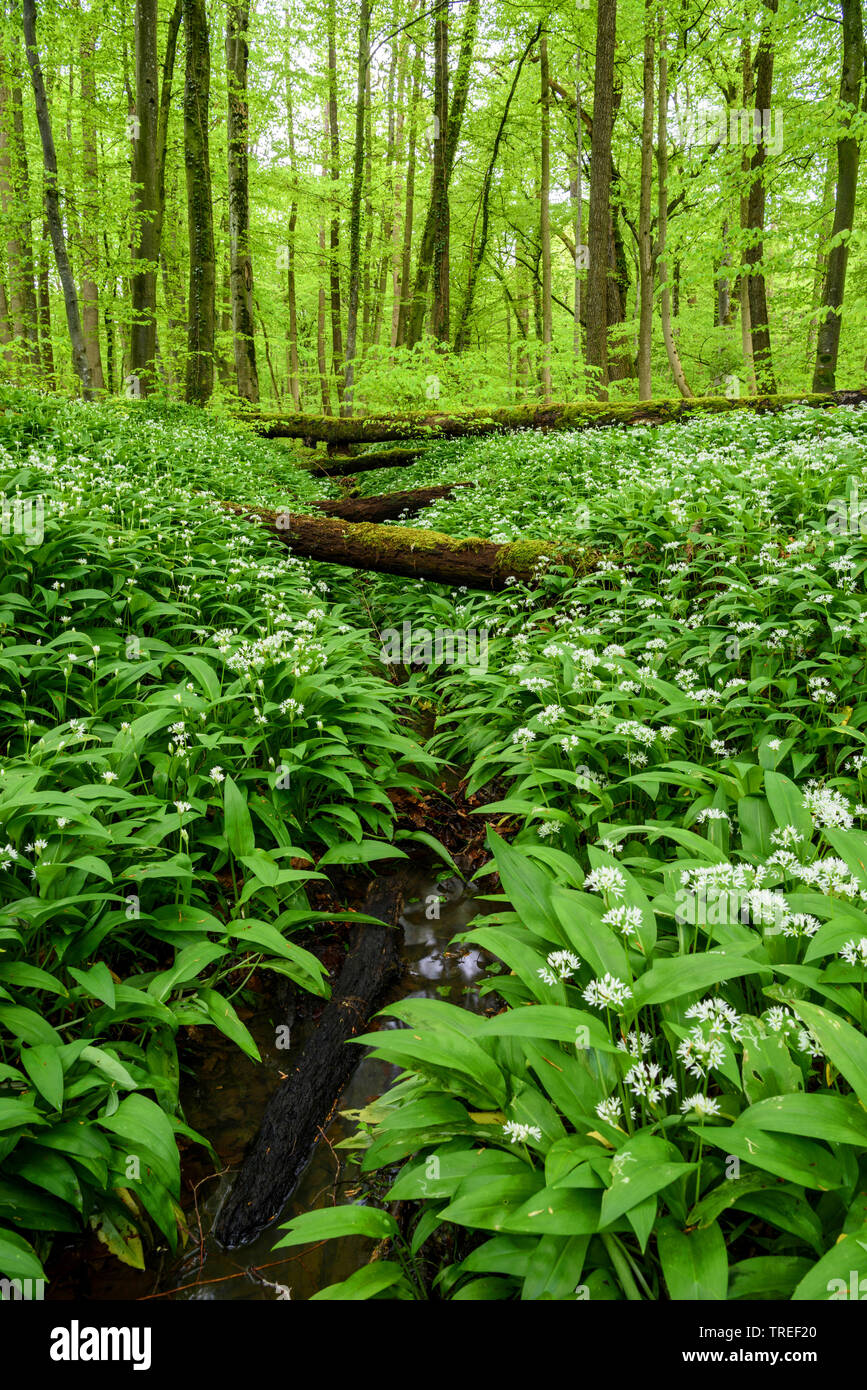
x=229, y=1113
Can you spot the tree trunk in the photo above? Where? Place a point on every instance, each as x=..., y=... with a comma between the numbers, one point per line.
x=439, y=190
x=389, y=506
x=299, y=1108
x=479, y=247
x=420, y=425
x=662, y=220
x=46, y=346
x=240, y=261
x=828, y=344
x=645, y=248
x=90, y=213
x=456, y=110
x=145, y=178
x=15, y=206
x=820, y=267
x=399, y=327
x=200, y=215
x=760, y=327
x=334, y=263
x=579, y=213
x=522, y=318
x=355, y=206
x=400, y=550
x=545, y=220
x=341, y=466
x=52, y=204
x=293, y=371
x=398, y=194
x=165, y=107
x=600, y=193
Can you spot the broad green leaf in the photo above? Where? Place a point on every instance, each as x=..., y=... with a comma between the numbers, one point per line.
x=45, y=1069
x=341, y=1221
x=694, y=1263
x=842, y=1044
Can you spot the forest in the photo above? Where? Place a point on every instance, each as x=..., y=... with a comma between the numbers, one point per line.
x=433, y=840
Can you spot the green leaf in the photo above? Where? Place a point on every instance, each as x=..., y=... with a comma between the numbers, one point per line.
x=766, y=1277
x=672, y=979
x=119, y=1233
x=367, y=1282
x=836, y=1119
x=343, y=1221
x=694, y=1263
x=238, y=823
x=29, y=1026
x=363, y=852
x=787, y=1155
x=44, y=1067
x=840, y=1274
x=189, y=963
x=841, y=1043
x=17, y=1257
x=96, y=981
x=786, y=803
x=555, y=1267
x=224, y=1017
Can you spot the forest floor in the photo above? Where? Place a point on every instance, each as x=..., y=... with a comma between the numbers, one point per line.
x=652, y=773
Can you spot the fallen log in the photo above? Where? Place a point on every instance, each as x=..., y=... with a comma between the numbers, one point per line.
x=574, y=415
x=387, y=506
x=336, y=467
x=415, y=554
x=298, y=1110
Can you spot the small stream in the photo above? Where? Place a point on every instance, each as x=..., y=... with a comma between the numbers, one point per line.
x=227, y=1096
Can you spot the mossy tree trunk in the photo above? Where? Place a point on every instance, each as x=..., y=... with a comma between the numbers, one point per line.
x=240, y=260
x=545, y=219
x=88, y=239
x=145, y=197
x=758, y=295
x=416, y=554
x=645, y=247
x=416, y=313
x=374, y=429
x=355, y=207
x=202, y=268
x=600, y=193
x=337, y=365
x=848, y=151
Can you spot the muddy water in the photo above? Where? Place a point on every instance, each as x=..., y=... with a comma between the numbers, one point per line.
x=226, y=1102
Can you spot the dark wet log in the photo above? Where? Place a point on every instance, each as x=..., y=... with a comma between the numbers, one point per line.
x=299, y=1109
x=416, y=554
x=387, y=506
x=558, y=416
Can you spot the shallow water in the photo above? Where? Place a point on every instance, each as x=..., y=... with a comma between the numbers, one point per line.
x=226, y=1100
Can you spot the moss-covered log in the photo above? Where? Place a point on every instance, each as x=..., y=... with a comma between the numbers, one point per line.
x=576, y=415
x=387, y=506
x=347, y=467
x=477, y=563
